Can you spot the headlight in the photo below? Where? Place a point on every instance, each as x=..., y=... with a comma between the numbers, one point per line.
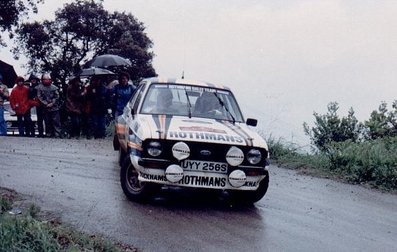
x=254, y=156
x=154, y=149
x=234, y=156
x=180, y=150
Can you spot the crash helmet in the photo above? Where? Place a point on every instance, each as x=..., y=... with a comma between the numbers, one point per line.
x=164, y=97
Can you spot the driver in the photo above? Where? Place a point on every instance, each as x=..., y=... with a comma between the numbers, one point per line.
x=208, y=104
x=164, y=101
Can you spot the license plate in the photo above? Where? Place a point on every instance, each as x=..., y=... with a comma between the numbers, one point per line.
x=204, y=166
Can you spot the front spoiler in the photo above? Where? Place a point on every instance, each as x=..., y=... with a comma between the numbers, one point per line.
x=194, y=179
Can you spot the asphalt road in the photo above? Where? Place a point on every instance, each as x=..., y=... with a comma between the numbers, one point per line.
x=79, y=181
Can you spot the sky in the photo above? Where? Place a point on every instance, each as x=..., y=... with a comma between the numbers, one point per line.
x=283, y=60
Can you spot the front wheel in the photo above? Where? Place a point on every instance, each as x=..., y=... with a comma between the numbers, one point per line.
x=250, y=197
x=133, y=188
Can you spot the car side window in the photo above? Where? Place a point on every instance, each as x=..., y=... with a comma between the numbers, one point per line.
x=138, y=97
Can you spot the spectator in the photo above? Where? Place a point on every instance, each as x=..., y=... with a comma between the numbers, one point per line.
x=48, y=95
x=74, y=105
x=19, y=101
x=4, y=94
x=34, y=101
x=97, y=98
x=121, y=94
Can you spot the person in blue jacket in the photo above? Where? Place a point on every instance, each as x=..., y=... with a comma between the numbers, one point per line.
x=121, y=94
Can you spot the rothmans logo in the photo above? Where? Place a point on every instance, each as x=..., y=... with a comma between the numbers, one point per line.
x=205, y=152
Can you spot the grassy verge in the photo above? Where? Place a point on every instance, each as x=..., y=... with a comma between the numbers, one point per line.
x=372, y=163
x=30, y=231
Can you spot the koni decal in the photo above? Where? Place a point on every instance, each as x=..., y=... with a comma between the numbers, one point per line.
x=205, y=136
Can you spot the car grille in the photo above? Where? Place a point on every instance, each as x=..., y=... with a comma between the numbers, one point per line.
x=200, y=151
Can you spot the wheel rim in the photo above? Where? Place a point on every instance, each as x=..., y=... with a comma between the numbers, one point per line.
x=132, y=180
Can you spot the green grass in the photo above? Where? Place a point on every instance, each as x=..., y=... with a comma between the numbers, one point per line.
x=372, y=163
x=29, y=232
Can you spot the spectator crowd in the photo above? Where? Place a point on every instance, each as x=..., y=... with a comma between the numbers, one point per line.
x=78, y=110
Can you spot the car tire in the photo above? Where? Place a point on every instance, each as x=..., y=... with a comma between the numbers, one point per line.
x=250, y=197
x=134, y=189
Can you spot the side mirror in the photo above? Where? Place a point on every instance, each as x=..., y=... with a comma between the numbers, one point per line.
x=132, y=112
x=252, y=122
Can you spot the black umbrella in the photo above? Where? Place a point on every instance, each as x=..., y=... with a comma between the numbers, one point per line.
x=95, y=71
x=108, y=60
x=8, y=74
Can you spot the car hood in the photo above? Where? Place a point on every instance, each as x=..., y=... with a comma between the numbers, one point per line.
x=196, y=129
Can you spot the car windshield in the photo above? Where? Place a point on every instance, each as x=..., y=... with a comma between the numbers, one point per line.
x=191, y=101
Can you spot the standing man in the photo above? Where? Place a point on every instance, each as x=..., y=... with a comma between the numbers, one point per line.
x=19, y=101
x=48, y=95
x=34, y=102
x=75, y=95
x=121, y=94
x=97, y=98
x=3, y=96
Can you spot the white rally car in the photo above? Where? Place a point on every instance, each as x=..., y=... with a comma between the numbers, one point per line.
x=184, y=133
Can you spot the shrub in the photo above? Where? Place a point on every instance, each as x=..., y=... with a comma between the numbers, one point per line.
x=330, y=128
x=373, y=161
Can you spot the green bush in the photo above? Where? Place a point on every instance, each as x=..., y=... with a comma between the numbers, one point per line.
x=372, y=161
x=330, y=128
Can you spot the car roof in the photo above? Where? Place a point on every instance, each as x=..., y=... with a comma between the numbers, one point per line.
x=162, y=80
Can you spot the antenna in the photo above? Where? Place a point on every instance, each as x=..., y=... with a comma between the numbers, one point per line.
x=183, y=75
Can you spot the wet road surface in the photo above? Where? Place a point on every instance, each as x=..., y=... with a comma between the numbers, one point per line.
x=79, y=181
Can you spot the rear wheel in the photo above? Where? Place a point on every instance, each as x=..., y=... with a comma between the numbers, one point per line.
x=250, y=197
x=133, y=188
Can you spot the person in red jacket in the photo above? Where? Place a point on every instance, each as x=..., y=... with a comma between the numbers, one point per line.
x=19, y=101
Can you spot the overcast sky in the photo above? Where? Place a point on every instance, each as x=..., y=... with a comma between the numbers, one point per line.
x=283, y=59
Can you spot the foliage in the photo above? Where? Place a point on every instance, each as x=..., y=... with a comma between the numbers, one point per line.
x=81, y=30
x=28, y=233
x=11, y=12
x=372, y=161
x=292, y=156
x=330, y=128
x=382, y=123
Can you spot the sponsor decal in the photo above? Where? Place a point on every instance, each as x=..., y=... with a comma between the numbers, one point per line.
x=251, y=184
x=203, y=181
x=202, y=129
x=154, y=177
x=192, y=180
x=205, y=136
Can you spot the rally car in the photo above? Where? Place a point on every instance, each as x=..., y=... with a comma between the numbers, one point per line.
x=184, y=133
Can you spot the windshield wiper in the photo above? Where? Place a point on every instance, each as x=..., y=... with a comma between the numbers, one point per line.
x=223, y=105
x=189, y=104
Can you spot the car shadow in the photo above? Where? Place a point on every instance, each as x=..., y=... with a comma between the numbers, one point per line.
x=197, y=199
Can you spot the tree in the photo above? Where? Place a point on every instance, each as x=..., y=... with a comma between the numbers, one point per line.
x=81, y=30
x=11, y=12
x=382, y=123
x=330, y=128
